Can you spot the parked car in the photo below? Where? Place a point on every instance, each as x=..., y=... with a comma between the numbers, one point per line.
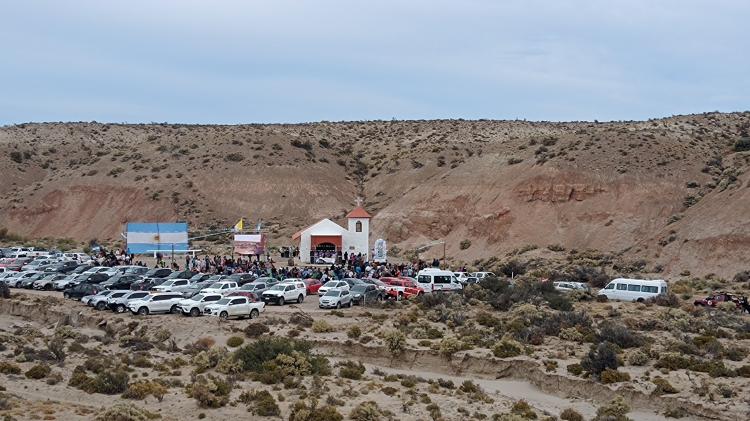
x=633, y=289
x=267, y=280
x=239, y=307
x=81, y=290
x=101, y=302
x=121, y=281
x=62, y=267
x=255, y=287
x=335, y=298
x=363, y=294
x=28, y=283
x=285, y=292
x=312, y=285
x=402, y=289
x=47, y=282
x=83, y=267
x=221, y=287
x=379, y=284
x=565, y=286
x=170, y=285
x=15, y=281
x=353, y=281
x=331, y=285
x=194, y=305
x=132, y=269
x=151, y=278
x=482, y=275
x=241, y=278
x=238, y=293
x=433, y=279
x=718, y=297
x=200, y=277
x=161, y=302
x=102, y=294
x=195, y=288
x=120, y=304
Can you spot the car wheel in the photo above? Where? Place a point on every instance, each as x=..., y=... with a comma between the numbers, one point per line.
x=174, y=309
x=338, y=305
x=47, y=287
x=100, y=306
x=254, y=313
x=223, y=315
x=300, y=299
x=281, y=301
x=400, y=296
x=143, y=311
x=120, y=308
x=350, y=304
x=195, y=312
x=380, y=298
x=640, y=300
x=66, y=295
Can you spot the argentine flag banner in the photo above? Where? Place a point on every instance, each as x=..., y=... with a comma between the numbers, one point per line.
x=147, y=237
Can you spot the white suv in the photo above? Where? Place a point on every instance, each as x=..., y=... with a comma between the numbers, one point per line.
x=194, y=305
x=331, y=285
x=284, y=292
x=170, y=285
x=119, y=305
x=335, y=298
x=221, y=287
x=163, y=302
x=239, y=307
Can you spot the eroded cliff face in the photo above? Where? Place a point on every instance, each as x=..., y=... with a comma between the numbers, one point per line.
x=673, y=191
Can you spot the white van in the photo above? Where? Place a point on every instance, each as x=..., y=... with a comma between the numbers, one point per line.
x=434, y=279
x=633, y=289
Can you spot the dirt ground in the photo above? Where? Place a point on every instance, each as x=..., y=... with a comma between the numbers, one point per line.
x=31, y=317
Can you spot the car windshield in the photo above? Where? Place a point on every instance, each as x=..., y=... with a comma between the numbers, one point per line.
x=147, y=298
x=196, y=278
x=216, y=285
x=359, y=288
x=332, y=293
x=173, y=275
x=331, y=284
x=278, y=287
x=247, y=287
x=152, y=272
x=223, y=301
x=197, y=297
x=167, y=283
x=215, y=277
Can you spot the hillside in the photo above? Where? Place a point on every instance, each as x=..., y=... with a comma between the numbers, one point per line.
x=673, y=192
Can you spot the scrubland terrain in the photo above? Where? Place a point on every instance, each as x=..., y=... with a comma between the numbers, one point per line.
x=494, y=352
x=672, y=192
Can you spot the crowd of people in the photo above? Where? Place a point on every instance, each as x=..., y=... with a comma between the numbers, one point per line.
x=350, y=266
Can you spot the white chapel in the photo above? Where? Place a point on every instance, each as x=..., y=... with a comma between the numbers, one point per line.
x=326, y=240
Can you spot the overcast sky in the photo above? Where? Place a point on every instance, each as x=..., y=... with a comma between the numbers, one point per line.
x=233, y=61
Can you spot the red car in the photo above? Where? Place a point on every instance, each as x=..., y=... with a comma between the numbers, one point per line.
x=720, y=297
x=251, y=296
x=401, y=288
x=312, y=285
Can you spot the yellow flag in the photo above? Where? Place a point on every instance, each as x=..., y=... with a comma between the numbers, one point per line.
x=239, y=225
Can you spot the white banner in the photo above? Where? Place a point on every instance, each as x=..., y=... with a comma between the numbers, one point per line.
x=380, y=251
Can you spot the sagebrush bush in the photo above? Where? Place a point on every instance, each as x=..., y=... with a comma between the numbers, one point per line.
x=366, y=411
x=619, y=335
x=255, y=330
x=663, y=386
x=302, y=411
x=507, y=349
x=615, y=410
x=210, y=391
x=609, y=376
x=235, y=341
x=322, y=326
x=637, y=358
x=354, y=332
x=141, y=389
x=600, y=358
x=351, y=370
x=261, y=403
x=570, y=414
x=9, y=368
x=395, y=341
x=123, y=411
x=38, y=371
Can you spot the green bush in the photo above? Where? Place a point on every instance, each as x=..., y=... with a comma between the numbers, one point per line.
x=600, y=358
x=123, y=411
x=301, y=411
x=663, y=386
x=108, y=382
x=615, y=410
x=570, y=414
x=261, y=403
x=609, y=376
x=354, y=332
x=523, y=409
x=507, y=349
x=575, y=369
x=619, y=335
x=9, y=368
x=351, y=370
x=209, y=392
x=38, y=371
x=366, y=411
x=141, y=389
x=464, y=244
x=235, y=341
x=255, y=330
x=395, y=340
x=252, y=356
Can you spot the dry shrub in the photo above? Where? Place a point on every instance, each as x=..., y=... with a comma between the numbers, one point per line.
x=638, y=358
x=322, y=326
x=523, y=409
x=663, y=386
x=210, y=391
x=235, y=341
x=141, y=389
x=255, y=330
x=366, y=411
x=395, y=340
x=125, y=412
x=570, y=414
x=609, y=376
x=9, y=368
x=302, y=411
x=202, y=344
x=351, y=370
x=38, y=371
x=507, y=348
x=615, y=410
x=600, y=358
x=354, y=332
x=261, y=403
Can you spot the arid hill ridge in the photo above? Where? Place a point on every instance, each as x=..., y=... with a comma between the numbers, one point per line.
x=671, y=191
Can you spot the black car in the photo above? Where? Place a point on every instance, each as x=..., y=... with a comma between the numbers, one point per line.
x=28, y=282
x=199, y=277
x=120, y=281
x=62, y=267
x=80, y=269
x=151, y=278
x=147, y=284
x=81, y=290
x=354, y=281
x=241, y=278
x=366, y=294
